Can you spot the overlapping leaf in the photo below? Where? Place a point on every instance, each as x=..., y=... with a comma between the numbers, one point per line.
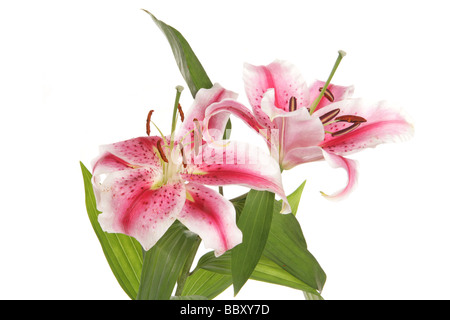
x=123, y=253
x=164, y=262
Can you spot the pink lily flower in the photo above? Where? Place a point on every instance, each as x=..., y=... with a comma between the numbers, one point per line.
x=300, y=128
x=143, y=184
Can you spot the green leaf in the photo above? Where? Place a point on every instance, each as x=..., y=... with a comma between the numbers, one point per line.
x=269, y=271
x=286, y=236
x=123, y=253
x=164, y=262
x=188, y=298
x=206, y=283
x=286, y=246
x=266, y=270
x=254, y=222
x=294, y=198
x=190, y=67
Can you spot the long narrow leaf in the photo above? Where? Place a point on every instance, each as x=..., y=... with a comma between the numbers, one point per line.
x=266, y=270
x=123, y=253
x=294, y=198
x=190, y=67
x=286, y=246
x=254, y=222
x=164, y=262
x=206, y=283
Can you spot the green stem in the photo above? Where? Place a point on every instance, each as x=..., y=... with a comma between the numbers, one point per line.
x=187, y=267
x=174, y=115
x=336, y=64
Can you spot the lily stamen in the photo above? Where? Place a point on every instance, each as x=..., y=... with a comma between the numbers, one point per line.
x=327, y=94
x=346, y=130
x=149, y=117
x=197, y=136
x=329, y=115
x=350, y=118
x=183, y=156
x=180, y=111
x=292, y=104
x=161, y=152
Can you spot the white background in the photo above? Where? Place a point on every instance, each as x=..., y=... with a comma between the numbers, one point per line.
x=78, y=74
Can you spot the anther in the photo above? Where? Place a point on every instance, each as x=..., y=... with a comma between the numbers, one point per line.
x=327, y=94
x=180, y=111
x=350, y=118
x=184, y=158
x=161, y=152
x=197, y=136
x=149, y=117
x=292, y=104
x=329, y=115
x=346, y=130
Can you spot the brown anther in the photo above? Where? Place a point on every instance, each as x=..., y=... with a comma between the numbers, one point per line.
x=197, y=136
x=180, y=111
x=346, y=130
x=327, y=94
x=329, y=115
x=350, y=118
x=184, y=158
x=149, y=117
x=161, y=152
x=292, y=104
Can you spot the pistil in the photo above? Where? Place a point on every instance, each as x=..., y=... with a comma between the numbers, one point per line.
x=322, y=92
x=174, y=114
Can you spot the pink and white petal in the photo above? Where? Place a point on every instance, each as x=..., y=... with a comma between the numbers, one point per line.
x=268, y=105
x=299, y=130
x=348, y=165
x=339, y=93
x=203, y=99
x=294, y=157
x=283, y=77
x=212, y=217
x=132, y=153
x=384, y=124
x=236, y=163
x=130, y=206
x=228, y=107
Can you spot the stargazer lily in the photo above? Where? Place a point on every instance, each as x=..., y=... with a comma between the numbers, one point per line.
x=303, y=124
x=143, y=184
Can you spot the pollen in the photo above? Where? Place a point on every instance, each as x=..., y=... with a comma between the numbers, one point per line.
x=149, y=117
x=329, y=115
x=327, y=94
x=292, y=104
x=161, y=152
x=180, y=111
x=346, y=130
x=197, y=136
x=350, y=118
